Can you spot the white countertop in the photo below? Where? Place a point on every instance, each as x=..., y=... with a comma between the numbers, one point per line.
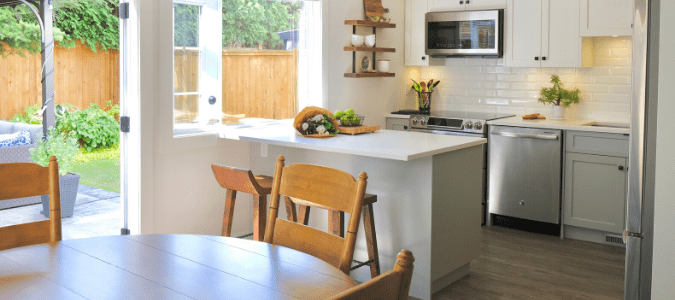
x=566, y=124
x=387, y=144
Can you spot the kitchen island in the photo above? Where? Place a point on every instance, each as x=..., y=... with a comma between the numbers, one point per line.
x=429, y=190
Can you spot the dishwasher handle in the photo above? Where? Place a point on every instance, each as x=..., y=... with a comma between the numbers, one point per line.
x=551, y=137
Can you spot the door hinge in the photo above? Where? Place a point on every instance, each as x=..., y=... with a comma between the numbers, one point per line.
x=124, y=10
x=126, y=231
x=124, y=124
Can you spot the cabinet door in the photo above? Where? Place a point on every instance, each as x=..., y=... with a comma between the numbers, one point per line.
x=561, y=43
x=595, y=191
x=606, y=17
x=415, y=33
x=523, y=33
x=485, y=4
x=447, y=5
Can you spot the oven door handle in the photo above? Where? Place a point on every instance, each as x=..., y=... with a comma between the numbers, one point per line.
x=551, y=137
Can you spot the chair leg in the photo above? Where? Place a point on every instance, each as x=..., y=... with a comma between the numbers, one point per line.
x=336, y=223
x=230, y=197
x=371, y=240
x=303, y=214
x=259, y=217
x=291, y=213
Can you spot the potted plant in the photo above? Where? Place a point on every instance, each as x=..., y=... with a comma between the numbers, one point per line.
x=65, y=148
x=560, y=97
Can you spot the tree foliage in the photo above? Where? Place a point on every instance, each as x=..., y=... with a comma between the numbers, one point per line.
x=246, y=23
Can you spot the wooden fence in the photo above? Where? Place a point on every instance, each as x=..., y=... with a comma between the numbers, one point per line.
x=81, y=77
x=260, y=84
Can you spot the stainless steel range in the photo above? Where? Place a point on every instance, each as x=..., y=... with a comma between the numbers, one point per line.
x=459, y=123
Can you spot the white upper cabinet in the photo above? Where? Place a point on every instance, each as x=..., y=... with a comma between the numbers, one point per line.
x=606, y=17
x=542, y=33
x=415, y=11
x=460, y=5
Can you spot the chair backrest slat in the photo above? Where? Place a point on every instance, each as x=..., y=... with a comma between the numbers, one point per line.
x=325, y=246
x=24, y=180
x=323, y=187
x=18, y=180
x=236, y=179
x=394, y=284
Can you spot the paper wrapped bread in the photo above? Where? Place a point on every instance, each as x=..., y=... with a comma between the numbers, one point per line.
x=309, y=112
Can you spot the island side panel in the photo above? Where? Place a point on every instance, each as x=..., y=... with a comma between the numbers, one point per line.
x=402, y=212
x=456, y=208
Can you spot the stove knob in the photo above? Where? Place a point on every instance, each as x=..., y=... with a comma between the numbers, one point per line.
x=478, y=126
x=423, y=122
x=468, y=125
x=414, y=121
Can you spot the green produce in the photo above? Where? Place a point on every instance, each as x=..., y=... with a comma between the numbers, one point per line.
x=356, y=120
x=349, y=112
x=338, y=114
x=345, y=120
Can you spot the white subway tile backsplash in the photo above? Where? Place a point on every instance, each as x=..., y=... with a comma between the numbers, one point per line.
x=487, y=85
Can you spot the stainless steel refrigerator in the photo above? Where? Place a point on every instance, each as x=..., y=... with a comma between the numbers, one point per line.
x=638, y=233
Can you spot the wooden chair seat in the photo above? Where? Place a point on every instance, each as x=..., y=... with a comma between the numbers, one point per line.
x=241, y=180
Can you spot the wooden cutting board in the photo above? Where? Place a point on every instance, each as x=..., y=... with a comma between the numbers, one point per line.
x=357, y=129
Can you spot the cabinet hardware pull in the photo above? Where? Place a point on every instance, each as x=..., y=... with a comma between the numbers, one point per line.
x=620, y=168
x=536, y=58
x=461, y=2
x=467, y=1
x=424, y=58
x=405, y=127
x=543, y=58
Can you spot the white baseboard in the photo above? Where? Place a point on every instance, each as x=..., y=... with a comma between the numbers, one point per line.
x=451, y=277
x=589, y=235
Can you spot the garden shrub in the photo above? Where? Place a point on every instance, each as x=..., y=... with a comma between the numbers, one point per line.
x=29, y=115
x=93, y=127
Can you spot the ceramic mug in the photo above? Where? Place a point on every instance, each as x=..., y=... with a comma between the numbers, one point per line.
x=383, y=66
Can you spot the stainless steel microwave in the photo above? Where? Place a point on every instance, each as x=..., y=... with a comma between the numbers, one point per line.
x=465, y=33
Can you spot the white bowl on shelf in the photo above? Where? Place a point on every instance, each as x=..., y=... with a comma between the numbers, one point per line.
x=370, y=40
x=357, y=40
x=383, y=66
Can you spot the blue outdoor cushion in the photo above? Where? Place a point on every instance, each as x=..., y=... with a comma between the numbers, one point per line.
x=15, y=139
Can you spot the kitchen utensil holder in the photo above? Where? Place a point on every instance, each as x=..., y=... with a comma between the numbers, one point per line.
x=424, y=101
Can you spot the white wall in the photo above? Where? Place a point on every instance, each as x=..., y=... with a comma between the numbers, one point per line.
x=481, y=84
x=372, y=97
x=664, y=206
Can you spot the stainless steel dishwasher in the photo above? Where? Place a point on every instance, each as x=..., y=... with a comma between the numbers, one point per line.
x=524, y=171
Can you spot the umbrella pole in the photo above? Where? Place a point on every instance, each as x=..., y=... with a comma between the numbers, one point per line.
x=48, y=119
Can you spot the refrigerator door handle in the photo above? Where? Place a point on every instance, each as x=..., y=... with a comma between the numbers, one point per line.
x=633, y=255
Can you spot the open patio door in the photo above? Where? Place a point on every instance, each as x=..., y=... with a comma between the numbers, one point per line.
x=197, y=47
x=129, y=105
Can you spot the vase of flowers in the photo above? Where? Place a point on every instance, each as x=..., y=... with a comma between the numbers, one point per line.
x=559, y=97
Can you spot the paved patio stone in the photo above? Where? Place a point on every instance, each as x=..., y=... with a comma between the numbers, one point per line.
x=97, y=213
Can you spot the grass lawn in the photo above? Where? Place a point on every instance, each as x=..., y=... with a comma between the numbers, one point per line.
x=100, y=168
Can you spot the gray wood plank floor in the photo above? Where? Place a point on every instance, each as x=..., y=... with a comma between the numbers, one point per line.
x=522, y=265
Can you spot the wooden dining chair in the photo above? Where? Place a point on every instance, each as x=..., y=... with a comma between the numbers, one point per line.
x=18, y=180
x=323, y=187
x=394, y=284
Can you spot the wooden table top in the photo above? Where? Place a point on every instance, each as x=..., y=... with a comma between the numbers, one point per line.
x=165, y=267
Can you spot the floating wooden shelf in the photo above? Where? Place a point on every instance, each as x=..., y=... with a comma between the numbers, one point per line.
x=365, y=23
x=361, y=75
x=369, y=49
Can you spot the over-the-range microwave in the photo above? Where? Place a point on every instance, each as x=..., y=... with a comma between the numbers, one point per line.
x=465, y=33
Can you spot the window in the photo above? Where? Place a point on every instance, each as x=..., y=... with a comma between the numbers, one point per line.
x=266, y=62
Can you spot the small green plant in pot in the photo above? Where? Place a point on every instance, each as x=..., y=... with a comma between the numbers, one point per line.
x=65, y=149
x=559, y=97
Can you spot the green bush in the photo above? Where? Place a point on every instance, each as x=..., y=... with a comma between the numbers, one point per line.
x=58, y=144
x=94, y=128
x=29, y=115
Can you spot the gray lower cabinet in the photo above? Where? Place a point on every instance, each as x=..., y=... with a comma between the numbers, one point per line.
x=398, y=124
x=595, y=191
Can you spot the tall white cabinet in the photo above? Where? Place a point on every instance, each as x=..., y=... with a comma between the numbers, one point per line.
x=606, y=17
x=542, y=33
x=415, y=32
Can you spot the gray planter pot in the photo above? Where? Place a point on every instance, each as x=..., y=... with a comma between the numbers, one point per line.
x=69, y=185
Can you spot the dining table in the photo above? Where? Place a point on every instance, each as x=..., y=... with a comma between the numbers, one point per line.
x=166, y=266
